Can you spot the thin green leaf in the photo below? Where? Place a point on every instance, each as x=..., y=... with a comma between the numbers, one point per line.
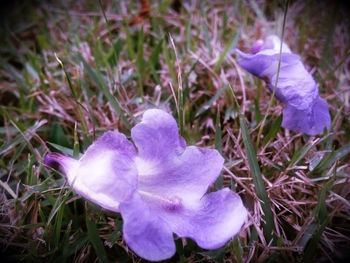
x=230, y=46
x=275, y=127
x=257, y=179
x=96, y=240
x=218, y=146
x=208, y=104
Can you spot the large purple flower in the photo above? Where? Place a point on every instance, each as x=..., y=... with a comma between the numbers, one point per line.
x=159, y=189
x=305, y=110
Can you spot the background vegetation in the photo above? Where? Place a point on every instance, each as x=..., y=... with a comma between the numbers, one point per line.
x=71, y=70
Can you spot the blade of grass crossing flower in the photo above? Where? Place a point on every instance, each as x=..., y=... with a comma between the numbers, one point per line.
x=96, y=240
x=231, y=45
x=278, y=72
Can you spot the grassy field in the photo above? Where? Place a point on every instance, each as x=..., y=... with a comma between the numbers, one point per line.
x=71, y=70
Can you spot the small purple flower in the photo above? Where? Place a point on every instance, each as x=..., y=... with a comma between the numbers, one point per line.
x=159, y=189
x=305, y=110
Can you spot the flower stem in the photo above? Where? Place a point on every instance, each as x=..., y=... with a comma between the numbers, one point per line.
x=278, y=72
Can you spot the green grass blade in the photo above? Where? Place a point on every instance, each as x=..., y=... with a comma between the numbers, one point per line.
x=257, y=179
x=275, y=127
x=208, y=104
x=329, y=159
x=96, y=240
x=98, y=79
x=64, y=150
x=140, y=63
x=300, y=153
x=218, y=146
x=231, y=45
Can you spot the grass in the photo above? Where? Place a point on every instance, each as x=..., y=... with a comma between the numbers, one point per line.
x=71, y=71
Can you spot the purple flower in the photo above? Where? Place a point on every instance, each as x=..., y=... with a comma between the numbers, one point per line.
x=159, y=189
x=305, y=110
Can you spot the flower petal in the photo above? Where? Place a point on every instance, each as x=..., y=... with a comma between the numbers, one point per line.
x=295, y=86
x=265, y=63
x=157, y=135
x=106, y=174
x=56, y=160
x=165, y=166
x=311, y=122
x=145, y=233
x=216, y=218
x=186, y=176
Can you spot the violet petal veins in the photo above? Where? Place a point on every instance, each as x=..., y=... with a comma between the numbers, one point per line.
x=160, y=189
x=305, y=110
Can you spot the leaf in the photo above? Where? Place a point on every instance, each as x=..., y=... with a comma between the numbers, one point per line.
x=96, y=240
x=218, y=146
x=257, y=179
x=230, y=45
x=208, y=104
x=329, y=159
x=275, y=127
x=300, y=153
x=100, y=82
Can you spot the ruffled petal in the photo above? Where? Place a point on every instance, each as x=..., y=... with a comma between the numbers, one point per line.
x=311, y=122
x=265, y=63
x=146, y=234
x=186, y=176
x=165, y=166
x=295, y=86
x=216, y=218
x=106, y=174
x=157, y=135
